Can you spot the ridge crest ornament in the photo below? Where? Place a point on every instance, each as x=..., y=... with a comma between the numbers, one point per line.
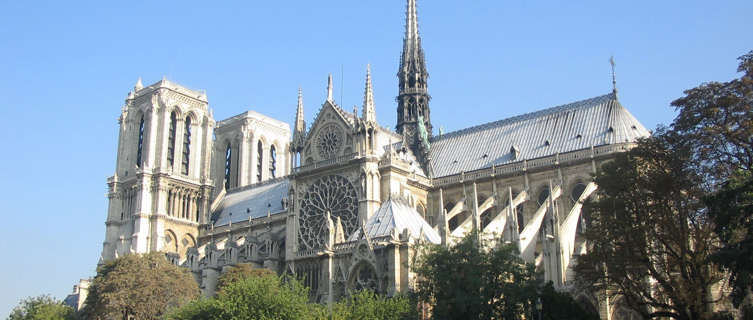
x=330, y=193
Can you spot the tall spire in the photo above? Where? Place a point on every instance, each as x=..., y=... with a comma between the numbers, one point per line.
x=329, y=88
x=369, y=112
x=300, y=125
x=411, y=21
x=413, y=97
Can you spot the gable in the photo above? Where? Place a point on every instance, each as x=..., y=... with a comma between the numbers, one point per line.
x=330, y=135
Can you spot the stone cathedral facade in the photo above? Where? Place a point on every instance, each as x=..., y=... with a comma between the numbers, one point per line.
x=343, y=202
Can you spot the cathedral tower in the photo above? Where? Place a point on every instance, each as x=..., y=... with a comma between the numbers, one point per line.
x=413, y=116
x=160, y=192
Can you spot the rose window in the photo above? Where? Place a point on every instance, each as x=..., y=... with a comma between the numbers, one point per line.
x=331, y=193
x=329, y=141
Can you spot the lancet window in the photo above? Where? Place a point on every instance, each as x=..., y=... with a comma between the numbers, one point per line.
x=259, y=159
x=171, y=139
x=272, y=162
x=186, y=146
x=228, y=164
x=141, y=142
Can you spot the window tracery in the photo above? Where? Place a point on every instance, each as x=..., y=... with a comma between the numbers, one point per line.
x=333, y=194
x=329, y=141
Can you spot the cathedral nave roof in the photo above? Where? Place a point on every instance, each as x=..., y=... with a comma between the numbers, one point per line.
x=579, y=125
x=253, y=202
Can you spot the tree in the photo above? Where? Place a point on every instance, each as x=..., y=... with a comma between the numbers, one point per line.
x=261, y=298
x=238, y=272
x=41, y=307
x=716, y=120
x=138, y=286
x=367, y=305
x=465, y=281
x=650, y=236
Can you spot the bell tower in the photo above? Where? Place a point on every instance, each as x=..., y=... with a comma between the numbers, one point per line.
x=160, y=192
x=413, y=114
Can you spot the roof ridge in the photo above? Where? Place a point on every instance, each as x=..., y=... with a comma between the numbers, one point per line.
x=551, y=110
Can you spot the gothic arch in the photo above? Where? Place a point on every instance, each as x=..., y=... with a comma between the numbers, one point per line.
x=194, y=118
x=171, y=242
x=178, y=112
x=542, y=193
x=188, y=241
x=363, y=276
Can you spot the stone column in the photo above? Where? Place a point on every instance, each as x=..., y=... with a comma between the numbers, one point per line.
x=149, y=153
x=243, y=178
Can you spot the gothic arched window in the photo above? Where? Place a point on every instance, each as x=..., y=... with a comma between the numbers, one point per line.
x=171, y=139
x=141, y=142
x=186, y=145
x=259, y=159
x=272, y=162
x=228, y=163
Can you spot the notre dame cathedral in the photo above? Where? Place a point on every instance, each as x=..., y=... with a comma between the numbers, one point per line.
x=343, y=202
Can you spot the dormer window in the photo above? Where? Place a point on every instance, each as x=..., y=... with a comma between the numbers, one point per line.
x=514, y=152
x=547, y=143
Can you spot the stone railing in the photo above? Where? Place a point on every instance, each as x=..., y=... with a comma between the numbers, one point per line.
x=539, y=163
x=326, y=163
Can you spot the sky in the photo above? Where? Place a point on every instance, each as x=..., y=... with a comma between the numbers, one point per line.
x=67, y=67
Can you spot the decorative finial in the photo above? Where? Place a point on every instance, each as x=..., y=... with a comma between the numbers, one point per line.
x=329, y=88
x=614, y=77
x=369, y=111
x=138, y=85
x=300, y=125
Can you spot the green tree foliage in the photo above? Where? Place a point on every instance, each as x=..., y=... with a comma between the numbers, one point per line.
x=42, y=307
x=464, y=281
x=651, y=239
x=238, y=272
x=366, y=305
x=261, y=298
x=138, y=286
x=716, y=120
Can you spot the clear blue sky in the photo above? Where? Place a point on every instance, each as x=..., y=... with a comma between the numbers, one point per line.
x=66, y=68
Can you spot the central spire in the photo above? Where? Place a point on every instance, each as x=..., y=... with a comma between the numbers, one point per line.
x=411, y=21
x=413, y=97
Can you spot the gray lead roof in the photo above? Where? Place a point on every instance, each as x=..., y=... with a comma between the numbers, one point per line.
x=252, y=201
x=579, y=125
x=397, y=214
